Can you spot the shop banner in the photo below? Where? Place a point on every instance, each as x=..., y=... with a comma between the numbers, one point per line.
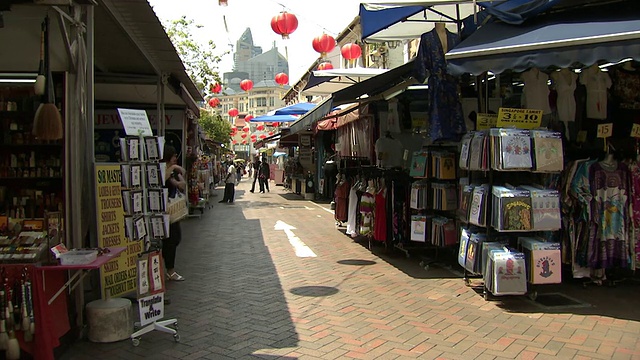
x=519, y=118
x=486, y=121
x=118, y=276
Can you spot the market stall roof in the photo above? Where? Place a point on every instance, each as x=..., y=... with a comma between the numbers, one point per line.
x=295, y=109
x=405, y=19
x=326, y=82
x=308, y=119
x=559, y=39
x=375, y=85
x=275, y=118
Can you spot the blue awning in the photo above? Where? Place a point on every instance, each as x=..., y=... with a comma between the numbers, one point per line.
x=308, y=119
x=275, y=118
x=398, y=20
x=551, y=40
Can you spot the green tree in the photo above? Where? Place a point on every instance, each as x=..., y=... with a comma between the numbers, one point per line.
x=199, y=59
x=214, y=126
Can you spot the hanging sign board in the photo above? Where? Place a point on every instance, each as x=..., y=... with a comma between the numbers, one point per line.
x=635, y=131
x=519, y=118
x=118, y=276
x=135, y=122
x=486, y=121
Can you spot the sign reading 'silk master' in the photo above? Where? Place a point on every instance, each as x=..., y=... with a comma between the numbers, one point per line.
x=118, y=276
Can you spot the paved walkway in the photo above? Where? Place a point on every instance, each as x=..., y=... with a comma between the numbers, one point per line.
x=253, y=290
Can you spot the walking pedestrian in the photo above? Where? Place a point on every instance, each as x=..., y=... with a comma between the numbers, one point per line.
x=174, y=181
x=230, y=185
x=256, y=171
x=238, y=173
x=265, y=174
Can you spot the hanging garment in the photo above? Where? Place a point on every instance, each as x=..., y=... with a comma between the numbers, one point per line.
x=596, y=82
x=342, y=201
x=565, y=82
x=609, y=238
x=536, y=90
x=380, y=217
x=446, y=120
x=367, y=206
x=353, y=211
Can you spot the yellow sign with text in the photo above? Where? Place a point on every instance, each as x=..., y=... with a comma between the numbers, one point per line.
x=118, y=276
x=486, y=121
x=605, y=130
x=519, y=118
x=635, y=131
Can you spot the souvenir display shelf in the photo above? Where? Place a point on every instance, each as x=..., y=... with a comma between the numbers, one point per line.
x=433, y=202
x=491, y=230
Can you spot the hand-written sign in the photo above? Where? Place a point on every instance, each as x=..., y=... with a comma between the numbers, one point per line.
x=519, y=118
x=486, y=121
x=118, y=276
x=135, y=122
x=605, y=130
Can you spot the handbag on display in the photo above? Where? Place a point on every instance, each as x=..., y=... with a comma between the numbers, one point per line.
x=177, y=207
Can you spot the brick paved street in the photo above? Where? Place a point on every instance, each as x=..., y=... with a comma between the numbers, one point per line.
x=247, y=295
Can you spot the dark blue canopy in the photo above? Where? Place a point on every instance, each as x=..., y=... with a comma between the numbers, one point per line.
x=548, y=40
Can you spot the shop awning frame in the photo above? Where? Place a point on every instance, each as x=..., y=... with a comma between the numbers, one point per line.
x=308, y=119
x=326, y=82
x=549, y=40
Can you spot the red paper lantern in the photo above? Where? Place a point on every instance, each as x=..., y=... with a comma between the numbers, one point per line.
x=270, y=133
x=214, y=102
x=275, y=124
x=263, y=136
x=351, y=51
x=243, y=135
x=260, y=127
x=233, y=112
x=246, y=84
x=245, y=129
x=325, y=66
x=234, y=142
x=253, y=139
x=284, y=24
x=216, y=88
x=223, y=2
x=248, y=118
x=253, y=136
x=323, y=44
x=244, y=142
x=282, y=79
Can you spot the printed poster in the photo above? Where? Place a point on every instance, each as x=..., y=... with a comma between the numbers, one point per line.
x=118, y=276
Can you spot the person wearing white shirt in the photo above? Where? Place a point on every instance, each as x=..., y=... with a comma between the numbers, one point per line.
x=230, y=185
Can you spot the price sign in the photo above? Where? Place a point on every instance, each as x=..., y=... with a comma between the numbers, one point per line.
x=519, y=118
x=605, y=130
x=635, y=131
x=486, y=121
x=582, y=136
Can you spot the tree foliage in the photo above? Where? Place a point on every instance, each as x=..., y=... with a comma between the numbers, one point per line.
x=199, y=59
x=214, y=126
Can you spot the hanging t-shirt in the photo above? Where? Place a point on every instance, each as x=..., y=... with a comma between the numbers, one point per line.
x=565, y=82
x=393, y=118
x=389, y=152
x=597, y=82
x=536, y=90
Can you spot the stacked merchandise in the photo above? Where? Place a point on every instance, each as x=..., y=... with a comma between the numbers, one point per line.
x=542, y=260
x=524, y=208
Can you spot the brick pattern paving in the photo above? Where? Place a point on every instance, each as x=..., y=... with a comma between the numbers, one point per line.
x=247, y=295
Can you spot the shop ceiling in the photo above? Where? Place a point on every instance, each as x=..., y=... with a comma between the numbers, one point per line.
x=131, y=48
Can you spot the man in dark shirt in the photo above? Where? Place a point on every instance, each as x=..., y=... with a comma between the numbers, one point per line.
x=265, y=174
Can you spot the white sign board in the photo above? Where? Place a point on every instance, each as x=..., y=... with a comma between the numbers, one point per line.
x=135, y=122
x=151, y=308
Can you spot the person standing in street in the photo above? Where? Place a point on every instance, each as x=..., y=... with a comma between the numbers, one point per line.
x=174, y=182
x=265, y=174
x=256, y=171
x=230, y=184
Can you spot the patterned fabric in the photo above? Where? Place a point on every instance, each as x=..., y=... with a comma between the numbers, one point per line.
x=446, y=120
x=367, y=205
x=609, y=242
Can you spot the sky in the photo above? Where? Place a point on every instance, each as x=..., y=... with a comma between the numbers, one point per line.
x=314, y=18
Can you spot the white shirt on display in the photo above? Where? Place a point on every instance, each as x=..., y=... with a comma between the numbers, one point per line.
x=389, y=152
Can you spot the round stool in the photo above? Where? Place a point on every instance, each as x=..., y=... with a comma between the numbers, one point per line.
x=109, y=320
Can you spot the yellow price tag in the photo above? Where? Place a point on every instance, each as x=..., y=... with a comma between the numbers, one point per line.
x=635, y=131
x=605, y=130
x=582, y=136
x=519, y=118
x=486, y=121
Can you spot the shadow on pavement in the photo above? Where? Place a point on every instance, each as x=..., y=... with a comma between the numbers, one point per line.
x=232, y=303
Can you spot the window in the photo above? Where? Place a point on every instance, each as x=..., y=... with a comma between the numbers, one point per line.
x=261, y=101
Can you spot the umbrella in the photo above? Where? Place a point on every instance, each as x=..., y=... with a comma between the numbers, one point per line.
x=275, y=118
x=295, y=109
